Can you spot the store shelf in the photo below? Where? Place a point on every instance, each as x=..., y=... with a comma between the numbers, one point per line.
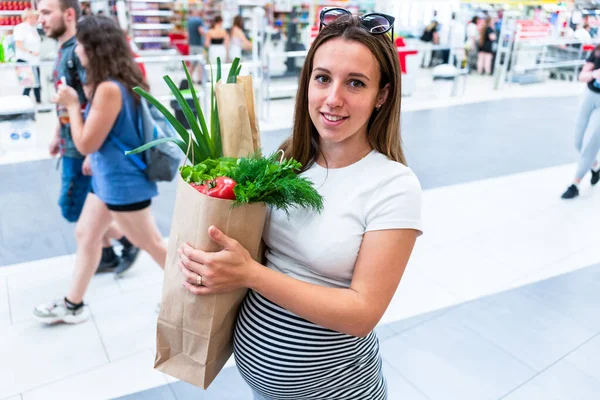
x=151, y=22
x=140, y=26
x=7, y=27
x=11, y=12
x=151, y=13
x=150, y=39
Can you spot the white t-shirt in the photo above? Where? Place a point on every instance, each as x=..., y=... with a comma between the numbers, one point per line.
x=372, y=194
x=457, y=35
x=582, y=35
x=473, y=35
x=31, y=40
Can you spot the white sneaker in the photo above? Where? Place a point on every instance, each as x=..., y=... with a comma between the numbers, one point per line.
x=57, y=311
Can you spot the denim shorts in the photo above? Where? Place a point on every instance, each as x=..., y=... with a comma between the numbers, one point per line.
x=74, y=188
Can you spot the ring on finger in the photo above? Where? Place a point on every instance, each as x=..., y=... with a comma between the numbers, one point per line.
x=199, y=280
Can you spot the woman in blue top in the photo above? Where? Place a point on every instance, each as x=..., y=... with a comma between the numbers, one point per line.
x=120, y=190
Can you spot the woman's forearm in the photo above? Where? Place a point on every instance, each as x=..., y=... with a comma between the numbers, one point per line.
x=337, y=309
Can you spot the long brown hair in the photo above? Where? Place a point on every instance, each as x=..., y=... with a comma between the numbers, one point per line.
x=239, y=22
x=218, y=19
x=484, y=33
x=383, y=129
x=109, y=55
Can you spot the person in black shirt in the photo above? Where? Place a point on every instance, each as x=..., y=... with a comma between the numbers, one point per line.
x=587, y=128
x=429, y=38
x=486, y=48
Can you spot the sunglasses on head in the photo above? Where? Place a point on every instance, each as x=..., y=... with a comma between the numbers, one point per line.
x=374, y=23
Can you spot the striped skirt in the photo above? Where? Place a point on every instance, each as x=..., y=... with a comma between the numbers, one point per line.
x=284, y=357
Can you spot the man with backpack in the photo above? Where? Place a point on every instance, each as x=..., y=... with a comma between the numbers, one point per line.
x=59, y=21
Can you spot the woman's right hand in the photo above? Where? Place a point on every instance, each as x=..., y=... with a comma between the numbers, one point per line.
x=86, y=168
x=66, y=96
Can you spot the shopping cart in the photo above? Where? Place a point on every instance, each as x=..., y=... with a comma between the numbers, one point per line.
x=565, y=53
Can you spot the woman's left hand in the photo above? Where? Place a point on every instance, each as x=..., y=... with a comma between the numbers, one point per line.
x=222, y=271
x=66, y=96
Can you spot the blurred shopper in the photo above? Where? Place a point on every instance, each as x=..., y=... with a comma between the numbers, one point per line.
x=196, y=32
x=58, y=19
x=429, y=38
x=120, y=189
x=487, y=42
x=498, y=22
x=238, y=41
x=456, y=41
x=217, y=41
x=27, y=44
x=587, y=127
x=473, y=35
x=86, y=10
x=582, y=34
x=329, y=276
x=453, y=35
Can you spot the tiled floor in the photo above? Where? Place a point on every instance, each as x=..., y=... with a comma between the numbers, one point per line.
x=506, y=346
x=473, y=317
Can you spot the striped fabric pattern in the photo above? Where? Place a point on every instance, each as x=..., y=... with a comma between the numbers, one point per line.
x=284, y=357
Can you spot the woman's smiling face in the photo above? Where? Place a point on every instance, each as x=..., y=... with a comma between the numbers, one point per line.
x=343, y=90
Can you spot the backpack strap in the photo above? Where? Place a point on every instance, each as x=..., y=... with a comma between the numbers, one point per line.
x=73, y=75
x=135, y=158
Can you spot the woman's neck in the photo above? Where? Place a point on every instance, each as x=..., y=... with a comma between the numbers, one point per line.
x=340, y=155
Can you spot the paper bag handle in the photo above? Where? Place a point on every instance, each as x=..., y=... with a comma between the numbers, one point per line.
x=188, y=151
x=282, y=155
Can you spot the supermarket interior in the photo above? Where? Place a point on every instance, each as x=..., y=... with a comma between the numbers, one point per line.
x=500, y=296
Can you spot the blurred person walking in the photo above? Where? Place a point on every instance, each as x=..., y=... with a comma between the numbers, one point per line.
x=217, y=41
x=473, y=35
x=582, y=34
x=238, y=41
x=587, y=126
x=486, y=43
x=456, y=40
x=429, y=38
x=59, y=19
x=196, y=32
x=27, y=49
x=121, y=191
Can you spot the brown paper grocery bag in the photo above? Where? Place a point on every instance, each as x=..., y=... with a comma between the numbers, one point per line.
x=239, y=126
x=246, y=82
x=195, y=333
